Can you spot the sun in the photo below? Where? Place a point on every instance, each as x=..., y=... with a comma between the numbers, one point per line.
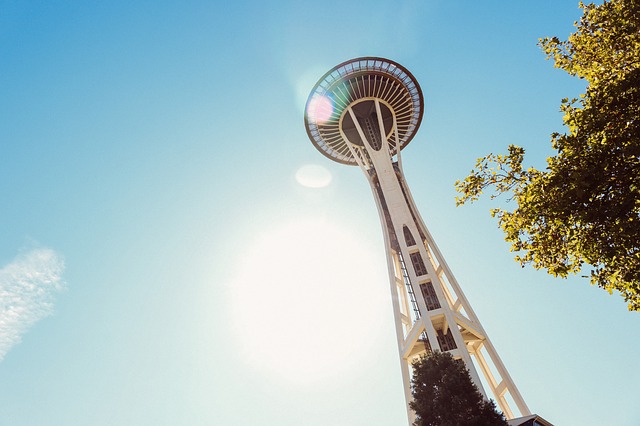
x=308, y=302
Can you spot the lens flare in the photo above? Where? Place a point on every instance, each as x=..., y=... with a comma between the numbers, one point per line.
x=320, y=109
x=313, y=176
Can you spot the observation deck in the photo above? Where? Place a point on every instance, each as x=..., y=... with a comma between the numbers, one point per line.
x=354, y=86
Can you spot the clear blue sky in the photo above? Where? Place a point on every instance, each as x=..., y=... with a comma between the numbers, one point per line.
x=161, y=265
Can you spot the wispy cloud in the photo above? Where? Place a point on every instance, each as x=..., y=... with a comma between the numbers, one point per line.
x=27, y=288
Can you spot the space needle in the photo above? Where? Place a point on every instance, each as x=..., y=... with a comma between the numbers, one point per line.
x=363, y=112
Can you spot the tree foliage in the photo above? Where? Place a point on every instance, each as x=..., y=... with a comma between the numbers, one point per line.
x=583, y=210
x=444, y=395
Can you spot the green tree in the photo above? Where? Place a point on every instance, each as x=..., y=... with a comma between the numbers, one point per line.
x=444, y=395
x=583, y=210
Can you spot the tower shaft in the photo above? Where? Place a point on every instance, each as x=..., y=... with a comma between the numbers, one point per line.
x=430, y=310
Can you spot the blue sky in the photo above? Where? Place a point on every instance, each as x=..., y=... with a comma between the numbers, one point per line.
x=164, y=266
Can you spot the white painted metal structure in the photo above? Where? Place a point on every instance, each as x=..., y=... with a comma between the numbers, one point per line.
x=363, y=112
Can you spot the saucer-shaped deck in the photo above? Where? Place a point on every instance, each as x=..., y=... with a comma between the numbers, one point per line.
x=356, y=84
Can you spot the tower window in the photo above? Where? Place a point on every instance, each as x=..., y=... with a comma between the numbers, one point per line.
x=408, y=237
x=430, y=297
x=446, y=341
x=418, y=264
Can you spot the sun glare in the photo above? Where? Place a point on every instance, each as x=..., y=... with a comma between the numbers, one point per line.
x=299, y=299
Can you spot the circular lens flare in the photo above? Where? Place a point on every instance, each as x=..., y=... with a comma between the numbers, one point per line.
x=313, y=176
x=320, y=109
